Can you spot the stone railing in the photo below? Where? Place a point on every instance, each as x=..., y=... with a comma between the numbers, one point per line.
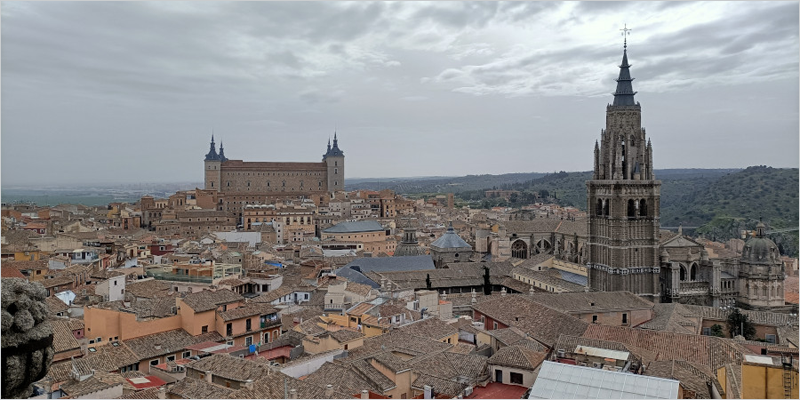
x=693, y=288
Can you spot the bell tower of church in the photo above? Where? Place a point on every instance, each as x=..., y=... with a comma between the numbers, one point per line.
x=623, y=200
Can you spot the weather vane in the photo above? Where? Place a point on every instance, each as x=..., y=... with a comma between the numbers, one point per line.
x=625, y=32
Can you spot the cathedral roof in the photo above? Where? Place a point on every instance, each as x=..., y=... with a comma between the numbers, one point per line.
x=450, y=240
x=760, y=249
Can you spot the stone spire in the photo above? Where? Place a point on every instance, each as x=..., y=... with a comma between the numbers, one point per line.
x=334, y=151
x=624, y=94
x=222, y=153
x=212, y=152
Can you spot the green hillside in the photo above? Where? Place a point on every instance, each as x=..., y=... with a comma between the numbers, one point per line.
x=720, y=202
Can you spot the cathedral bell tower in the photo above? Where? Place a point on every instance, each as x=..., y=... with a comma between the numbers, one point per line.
x=623, y=200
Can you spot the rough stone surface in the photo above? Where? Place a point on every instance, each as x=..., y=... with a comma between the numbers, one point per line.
x=27, y=337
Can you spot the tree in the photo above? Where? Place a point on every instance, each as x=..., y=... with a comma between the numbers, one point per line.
x=487, y=284
x=544, y=193
x=716, y=330
x=739, y=324
x=428, y=281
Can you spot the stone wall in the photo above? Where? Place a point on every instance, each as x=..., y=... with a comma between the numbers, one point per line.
x=27, y=337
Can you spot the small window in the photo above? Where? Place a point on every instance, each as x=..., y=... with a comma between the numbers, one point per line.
x=594, y=319
x=154, y=362
x=707, y=331
x=770, y=338
x=624, y=318
x=516, y=378
x=494, y=325
x=171, y=358
x=204, y=329
x=186, y=354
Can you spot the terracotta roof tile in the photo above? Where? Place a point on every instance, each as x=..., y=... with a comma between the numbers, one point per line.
x=63, y=339
x=190, y=388
x=517, y=357
x=247, y=310
x=710, y=351
x=231, y=368
x=541, y=323
x=206, y=300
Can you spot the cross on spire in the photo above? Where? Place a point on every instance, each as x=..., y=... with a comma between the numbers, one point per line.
x=625, y=32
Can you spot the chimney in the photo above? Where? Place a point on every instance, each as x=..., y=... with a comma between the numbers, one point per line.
x=158, y=346
x=428, y=392
x=503, y=291
x=209, y=375
x=365, y=394
x=329, y=391
x=248, y=384
x=292, y=393
x=162, y=393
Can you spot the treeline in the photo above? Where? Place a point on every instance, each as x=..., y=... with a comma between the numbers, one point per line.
x=720, y=202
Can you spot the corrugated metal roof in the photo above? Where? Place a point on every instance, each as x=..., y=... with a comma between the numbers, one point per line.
x=564, y=381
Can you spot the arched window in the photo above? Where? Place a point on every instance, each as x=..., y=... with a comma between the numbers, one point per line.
x=631, y=208
x=764, y=291
x=519, y=249
x=683, y=273
x=693, y=272
x=605, y=208
x=599, y=207
x=642, y=208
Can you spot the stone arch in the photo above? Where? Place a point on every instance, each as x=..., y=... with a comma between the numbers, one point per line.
x=543, y=246
x=631, y=208
x=519, y=249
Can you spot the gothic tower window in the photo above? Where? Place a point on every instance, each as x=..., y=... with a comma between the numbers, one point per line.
x=642, y=208
x=599, y=207
x=683, y=273
x=631, y=208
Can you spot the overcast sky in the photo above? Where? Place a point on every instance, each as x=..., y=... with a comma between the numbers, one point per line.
x=100, y=92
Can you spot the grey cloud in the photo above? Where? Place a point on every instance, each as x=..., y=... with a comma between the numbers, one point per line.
x=268, y=76
x=459, y=14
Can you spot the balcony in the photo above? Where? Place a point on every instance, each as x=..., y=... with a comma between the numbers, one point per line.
x=693, y=288
x=269, y=323
x=334, y=307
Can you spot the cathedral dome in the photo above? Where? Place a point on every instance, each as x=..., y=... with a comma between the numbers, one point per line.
x=760, y=250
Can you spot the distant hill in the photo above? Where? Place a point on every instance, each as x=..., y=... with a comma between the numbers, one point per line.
x=720, y=202
x=440, y=184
